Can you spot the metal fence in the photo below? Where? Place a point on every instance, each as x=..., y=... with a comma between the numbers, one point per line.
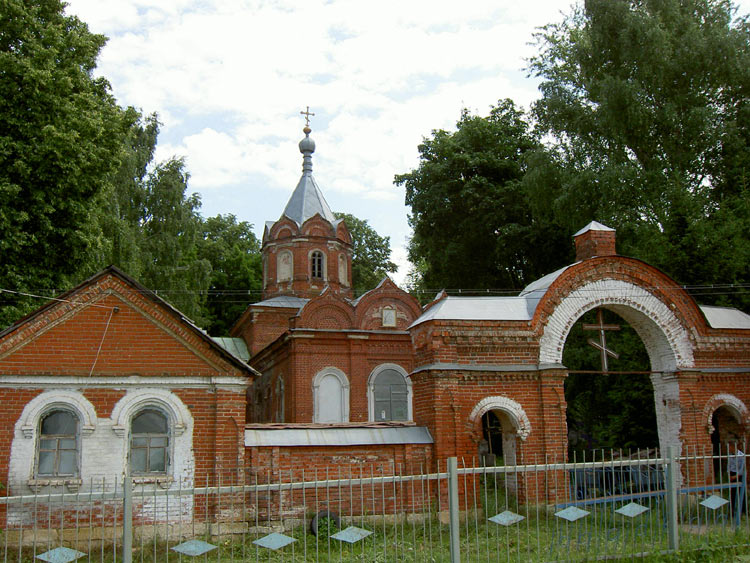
x=610, y=505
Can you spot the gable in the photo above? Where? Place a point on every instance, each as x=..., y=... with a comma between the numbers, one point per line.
x=110, y=327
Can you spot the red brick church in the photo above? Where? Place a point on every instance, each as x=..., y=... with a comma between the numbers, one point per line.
x=109, y=377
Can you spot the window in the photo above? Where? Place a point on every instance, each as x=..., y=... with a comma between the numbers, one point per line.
x=316, y=264
x=57, y=455
x=149, y=443
x=390, y=396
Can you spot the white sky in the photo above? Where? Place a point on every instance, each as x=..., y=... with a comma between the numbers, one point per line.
x=228, y=79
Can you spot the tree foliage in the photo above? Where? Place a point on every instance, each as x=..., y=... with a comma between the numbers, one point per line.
x=647, y=103
x=233, y=251
x=473, y=226
x=60, y=138
x=370, y=254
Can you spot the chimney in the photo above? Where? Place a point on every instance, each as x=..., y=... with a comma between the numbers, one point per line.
x=594, y=239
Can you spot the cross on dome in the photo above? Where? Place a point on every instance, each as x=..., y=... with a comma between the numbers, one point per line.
x=307, y=113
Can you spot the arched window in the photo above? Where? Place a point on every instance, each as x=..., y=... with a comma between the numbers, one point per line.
x=316, y=264
x=389, y=394
x=57, y=452
x=149, y=443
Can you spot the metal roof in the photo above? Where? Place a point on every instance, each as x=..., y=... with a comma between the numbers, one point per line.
x=337, y=436
x=235, y=346
x=288, y=301
x=594, y=226
x=725, y=317
x=480, y=309
x=307, y=199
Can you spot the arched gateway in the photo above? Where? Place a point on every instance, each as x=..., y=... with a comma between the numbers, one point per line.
x=472, y=351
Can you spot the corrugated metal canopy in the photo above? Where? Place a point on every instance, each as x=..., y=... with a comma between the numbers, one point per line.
x=337, y=436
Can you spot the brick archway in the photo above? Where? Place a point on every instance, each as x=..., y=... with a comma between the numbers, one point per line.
x=665, y=338
x=654, y=319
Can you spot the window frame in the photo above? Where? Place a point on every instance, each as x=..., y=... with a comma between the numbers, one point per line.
x=371, y=399
x=56, y=474
x=167, y=449
x=317, y=261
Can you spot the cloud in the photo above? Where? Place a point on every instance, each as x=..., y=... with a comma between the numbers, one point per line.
x=229, y=77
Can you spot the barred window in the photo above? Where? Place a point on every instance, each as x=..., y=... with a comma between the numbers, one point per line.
x=149, y=443
x=57, y=452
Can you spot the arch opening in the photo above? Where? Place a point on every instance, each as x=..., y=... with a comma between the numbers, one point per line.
x=614, y=398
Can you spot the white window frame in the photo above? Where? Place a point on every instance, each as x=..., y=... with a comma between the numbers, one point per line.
x=168, y=449
x=76, y=436
x=343, y=382
x=23, y=454
x=371, y=390
x=181, y=456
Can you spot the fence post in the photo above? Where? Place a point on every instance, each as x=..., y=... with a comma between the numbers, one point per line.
x=453, y=509
x=672, y=469
x=127, y=519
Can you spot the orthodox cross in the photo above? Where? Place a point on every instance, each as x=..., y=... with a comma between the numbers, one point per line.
x=602, y=344
x=307, y=113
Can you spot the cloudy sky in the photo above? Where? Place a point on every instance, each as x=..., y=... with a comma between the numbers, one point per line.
x=229, y=78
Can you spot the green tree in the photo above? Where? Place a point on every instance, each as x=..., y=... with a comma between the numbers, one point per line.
x=170, y=233
x=473, y=226
x=122, y=206
x=233, y=251
x=370, y=254
x=647, y=103
x=60, y=137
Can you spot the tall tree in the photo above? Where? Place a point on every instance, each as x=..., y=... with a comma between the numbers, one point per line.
x=473, y=227
x=236, y=279
x=170, y=231
x=59, y=142
x=121, y=209
x=647, y=101
x=371, y=254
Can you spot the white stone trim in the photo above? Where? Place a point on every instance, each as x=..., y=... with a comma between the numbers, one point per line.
x=133, y=401
x=665, y=338
x=719, y=400
x=371, y=390
x=50, y=400
x=343, y=382
x=234, y=383
x=517, y=415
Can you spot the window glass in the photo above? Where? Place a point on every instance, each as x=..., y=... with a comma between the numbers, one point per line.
x=316, y=259
x=149, y=442
x=391, y=396
x=57, y=450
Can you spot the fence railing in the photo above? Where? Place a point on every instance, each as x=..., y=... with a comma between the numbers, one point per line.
x=614, y=506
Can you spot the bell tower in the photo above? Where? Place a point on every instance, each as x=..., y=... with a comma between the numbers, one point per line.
x=307, y=250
